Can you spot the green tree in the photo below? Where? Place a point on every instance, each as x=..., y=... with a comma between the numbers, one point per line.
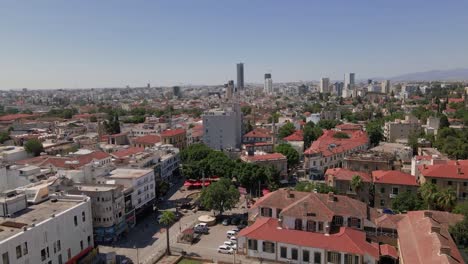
x=34, y=146
x=286, y=130
x=356, y=183
x=340, y=135
x=429, y=192
x=220, y=196
x=328, y=124
x=413, y=142
x=311, y=133
x=446, y=199
x=246, y=110
x=291, y=154
x=444, y=122
x=375, y=132
x=407, y=201
x=167, y=218
x=461, y=208
x=4, y=136
x=459, y=233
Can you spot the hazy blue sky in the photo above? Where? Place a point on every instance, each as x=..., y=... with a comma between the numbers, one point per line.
x=102, y=43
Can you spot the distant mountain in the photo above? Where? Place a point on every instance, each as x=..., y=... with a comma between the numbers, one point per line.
x=460, y=74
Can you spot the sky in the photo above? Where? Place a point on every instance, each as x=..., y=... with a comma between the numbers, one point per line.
x=113, y=43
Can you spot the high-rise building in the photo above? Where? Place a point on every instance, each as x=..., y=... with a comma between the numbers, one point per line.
x=176, y=91
x=386, y=86
x=338, y=88
x=268, y=87
x=324, y=85
x=223, y=128
x=230, y=89
x=240, y=76
x=349, y=83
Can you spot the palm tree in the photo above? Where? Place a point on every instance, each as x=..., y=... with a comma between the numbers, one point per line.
x=167, y=218
x=447, y=199
x=429, y=193
x=356, y=183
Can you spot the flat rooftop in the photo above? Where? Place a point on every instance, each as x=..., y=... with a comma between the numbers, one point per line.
x=129, y=173
x=97, y=187
x=10, y=226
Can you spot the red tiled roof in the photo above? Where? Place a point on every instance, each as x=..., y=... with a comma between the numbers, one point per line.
x=148, y=139
x=456, y=100
x=451, y=170
x=172, y=132
x=387, y=250
x=423, y=234
x=347, y=175
x=14, y=117
x=393, y=177
x=325, y=142
x=265, y=157
x=127, y=152
x=258, y=133
x=347, y=240
x=296, y=136
x=423, y=157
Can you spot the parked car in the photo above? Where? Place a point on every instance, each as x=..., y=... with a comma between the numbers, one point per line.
x=231, y=233
x=225, y=249
x=241, y=226
x=226, y=222
x=201, y=228
x=235, y=221
x=230, y=244
x=236, y=229
x=233, y=239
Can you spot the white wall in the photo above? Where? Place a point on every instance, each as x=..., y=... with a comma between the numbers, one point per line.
x=46, y=233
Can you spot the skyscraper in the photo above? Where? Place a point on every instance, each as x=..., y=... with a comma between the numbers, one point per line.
x=348, y=85
x=386, y=86
x=229, y=89
x=324, y=85
x=268, y=87
x=240, y=76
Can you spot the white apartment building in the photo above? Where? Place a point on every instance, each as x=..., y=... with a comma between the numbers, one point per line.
x=385, y=86
x=268, y=86
x=223, y=128
x=140, y=180
x=54, y=232
x=169, y=161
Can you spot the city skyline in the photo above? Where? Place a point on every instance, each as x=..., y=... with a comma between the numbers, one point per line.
x=113, y=44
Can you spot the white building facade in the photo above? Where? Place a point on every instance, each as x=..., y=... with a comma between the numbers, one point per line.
x=223, y=128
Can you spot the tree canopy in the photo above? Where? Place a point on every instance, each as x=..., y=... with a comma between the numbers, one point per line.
x=220, y=196
x=408, y=201
x=291, y=154
x=34, y=146
x=311, y=133
x=375, y=132
x=286, y=130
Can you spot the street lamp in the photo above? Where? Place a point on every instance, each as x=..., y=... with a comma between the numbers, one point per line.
x=138, y=256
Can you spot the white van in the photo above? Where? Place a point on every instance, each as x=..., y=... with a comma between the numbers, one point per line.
x=225, y=249
x=201, y=228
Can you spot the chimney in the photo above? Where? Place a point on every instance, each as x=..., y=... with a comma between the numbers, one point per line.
x=435, y=229
x=290, y=195
x=459, y=171
x=445, y=250
x=331, y=197
x=428, y=214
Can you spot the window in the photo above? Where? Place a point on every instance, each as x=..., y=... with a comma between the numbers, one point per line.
x=6, y=258
x=350, y=259
x=25, y=248
x=334, y=257
x=305, y=255
x=268, y=247
x=89, y=241
x=311, y=226
x=18, y=252
x=75, y=220
x=58, y=245
x=449, y=182
x=298, y=224
x=81, y=244
x=267, y=212
x=284, y=252
x=354, y=222
x=338, y=220
x=83, y=216
x=294, y=253
x=278, y=212
x=43, y=254
x=434, y=181
x=382, y=190
x=253, y=244
x=382, y=202
x=317, y=258
x=395, y=190
x=465, y=183
x=60, y=261
x=320, y=226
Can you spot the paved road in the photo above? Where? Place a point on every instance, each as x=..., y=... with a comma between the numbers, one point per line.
x=148, y=239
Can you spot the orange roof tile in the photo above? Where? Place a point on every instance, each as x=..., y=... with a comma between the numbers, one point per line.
x=393, y=177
